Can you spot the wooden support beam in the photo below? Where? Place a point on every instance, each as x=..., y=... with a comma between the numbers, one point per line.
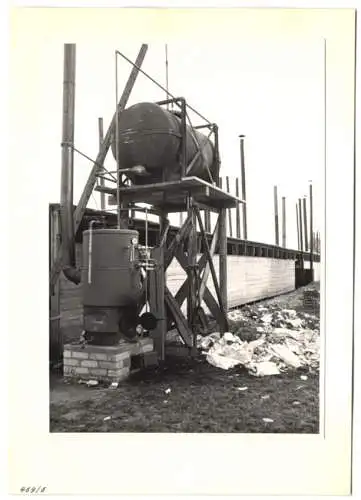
x=221, y=294
x=177, y=241
x=207, y=266
x=223, y=257
x=179, y=318
x=56, y=340
x=157, y=301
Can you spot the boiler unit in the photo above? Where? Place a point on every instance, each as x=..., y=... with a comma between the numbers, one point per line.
x=112, y=284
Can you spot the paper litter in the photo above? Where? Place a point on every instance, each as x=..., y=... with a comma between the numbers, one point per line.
x=265, y=341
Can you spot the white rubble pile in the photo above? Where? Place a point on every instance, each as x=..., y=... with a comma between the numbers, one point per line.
x=282, y=341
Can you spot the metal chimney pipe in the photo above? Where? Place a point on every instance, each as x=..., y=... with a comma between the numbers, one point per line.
x=67, y=166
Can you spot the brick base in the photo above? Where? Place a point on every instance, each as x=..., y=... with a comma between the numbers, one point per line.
x=102, y=363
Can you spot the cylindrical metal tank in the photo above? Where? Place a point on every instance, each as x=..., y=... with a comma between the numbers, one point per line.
x=111, y=283
x=150, y=136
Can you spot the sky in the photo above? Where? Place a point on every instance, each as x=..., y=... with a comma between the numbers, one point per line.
x=270, y=90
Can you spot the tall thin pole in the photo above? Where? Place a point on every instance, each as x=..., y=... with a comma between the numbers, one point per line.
x=222, y=228
x=117, y=141
x=283, y=222
x=298, y=229
x=243, y=171
x=102, y=182
x=166, y=73
x=301, y=225
x=305, y=223
x=67, y=159
x=311, y=225
x=229, y=210
x=238, y=210
x=277, y=237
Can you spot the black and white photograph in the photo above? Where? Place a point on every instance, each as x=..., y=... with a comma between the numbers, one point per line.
x=179, y=286
x=186, y=187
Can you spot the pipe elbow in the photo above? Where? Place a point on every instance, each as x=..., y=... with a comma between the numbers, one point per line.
x=72, y=274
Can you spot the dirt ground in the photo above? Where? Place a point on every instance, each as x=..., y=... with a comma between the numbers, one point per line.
x=192, y=396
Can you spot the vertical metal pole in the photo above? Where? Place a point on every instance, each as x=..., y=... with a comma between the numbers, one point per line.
x=301, y=224
x=298, y=229
x=166, y=73
x=277, y=237
x=117, y=142
x=67, y=159
x=184, y=138
x=283, y=222
x=243, y=170
x=238, y=214
x=311, y=227
x=102, y=181
x=229, y=210
x=223, y=256
x=305, y=223
x=217, y=157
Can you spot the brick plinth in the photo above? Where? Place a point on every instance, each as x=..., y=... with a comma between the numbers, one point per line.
x=103, y=363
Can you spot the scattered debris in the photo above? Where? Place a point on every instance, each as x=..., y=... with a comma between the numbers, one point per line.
x=267, y=420
x=296, y=403
x=303, y=377
x=114, y=385
x=168, y=391
x=92, y=383
x=107, y=418
x=266, y=396
x=242, y=388
x=165, y=401
x=266, y=340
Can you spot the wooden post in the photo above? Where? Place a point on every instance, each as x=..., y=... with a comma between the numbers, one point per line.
x=277, y=236
x=243, y=171
x=102, y=181
x=283, y=222
x=192, y=261
x=311, y=227
x=305, y=223
x=298, y=230
x=300, y=222
x=229, y=210
x=56, y=341
x=238, y=214
x=223, y=257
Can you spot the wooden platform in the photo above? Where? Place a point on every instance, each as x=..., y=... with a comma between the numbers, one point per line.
x=171, y=196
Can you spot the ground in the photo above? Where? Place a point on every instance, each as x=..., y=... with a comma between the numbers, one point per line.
x=191, y=396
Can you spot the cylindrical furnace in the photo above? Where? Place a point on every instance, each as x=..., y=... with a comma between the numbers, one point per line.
x=111, y=283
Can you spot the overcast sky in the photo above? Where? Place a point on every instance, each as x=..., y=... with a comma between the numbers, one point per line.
x=271, y=91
